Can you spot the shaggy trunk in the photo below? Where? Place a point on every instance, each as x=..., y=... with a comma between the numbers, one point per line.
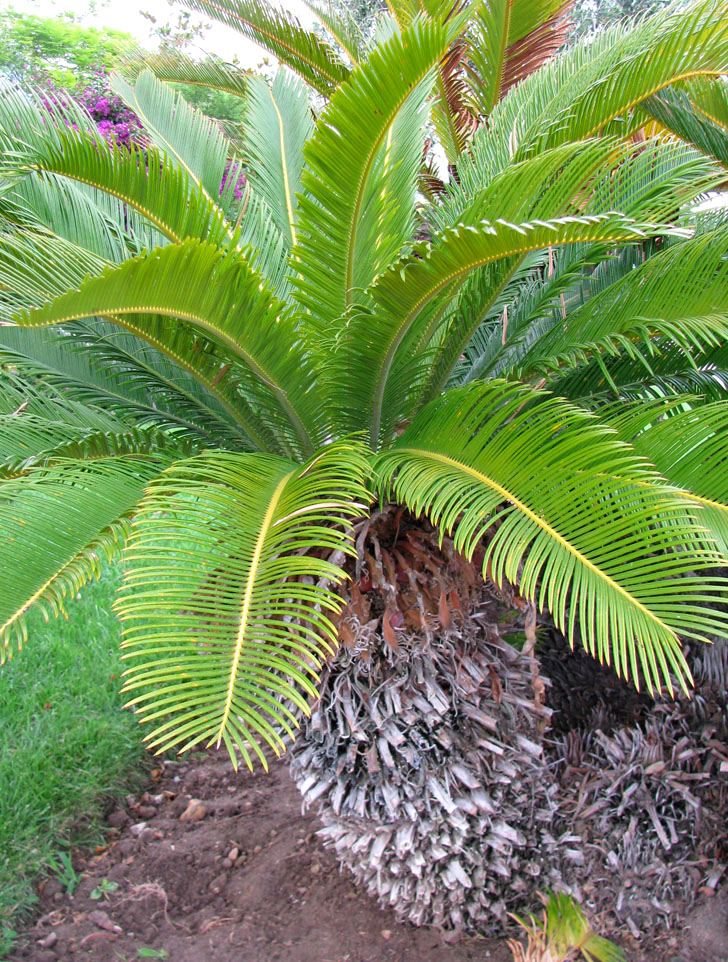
x=424, y=754
x=441, y=782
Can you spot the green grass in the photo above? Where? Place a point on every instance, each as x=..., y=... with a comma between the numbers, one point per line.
x=65, y=744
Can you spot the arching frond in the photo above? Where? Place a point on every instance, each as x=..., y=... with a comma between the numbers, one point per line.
x=265, y=244
x=349, y=137
x=36, y=266
x=157, y=188
x=504, y=306
x=214, y=293
x=189, y=139
x=578, y=522
x=341, y=27
x=243, y=547
x=387, y=222
x=688, y=446
x=679, y=295
x=673, y=109
x=89, y=502
x=401, y=296
x=710, y=96
x=177, y=67
x=109, y=370
x=282, y=35
x=509, y=40
x=74, y=214
x=594, y=86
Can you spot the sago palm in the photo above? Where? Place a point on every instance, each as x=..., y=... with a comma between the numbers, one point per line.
x=334, y=413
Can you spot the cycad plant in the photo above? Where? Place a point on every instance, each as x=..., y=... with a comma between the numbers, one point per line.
x=334, y=411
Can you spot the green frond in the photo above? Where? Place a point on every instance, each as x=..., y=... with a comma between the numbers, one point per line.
x=710, y=96
x=594, y=86
x=189, y=139
x=278, y=122
x=36, y=266
x=349, y=137
x=387, y=222
x=41, y=427
x=341, y=27
x=672, y=373
x=400, y=298
x=24, y=110
x=543, y=187
x=72, y=213
x=102, y=367
x=86, y=506
x=673, y=109
x=565, y=930
x=264, y=243
x=679, y=295
x=280, y=33
x=507, y=40
x=244, y=547
x=651, y=181
x=210, y=291
x=583, y=527
x=149, y=183
x=404, y=11
x=41, y=445
x=177, y=67
x=688, y=447
x=500, y=308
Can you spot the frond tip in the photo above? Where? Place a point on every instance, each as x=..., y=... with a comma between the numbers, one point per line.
x=88, y=504
x=244, y=547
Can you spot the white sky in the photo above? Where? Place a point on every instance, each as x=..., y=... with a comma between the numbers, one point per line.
x=125, y=15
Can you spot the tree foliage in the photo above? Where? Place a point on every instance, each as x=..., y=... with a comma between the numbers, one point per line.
x=35, y=49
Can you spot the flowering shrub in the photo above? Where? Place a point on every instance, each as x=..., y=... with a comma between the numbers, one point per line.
x=113, y=118
x=115, y=122
x=240, y=181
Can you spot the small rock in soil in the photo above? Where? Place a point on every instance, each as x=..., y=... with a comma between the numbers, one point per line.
x=194, y=812
x=49, y=941
x=218, y=884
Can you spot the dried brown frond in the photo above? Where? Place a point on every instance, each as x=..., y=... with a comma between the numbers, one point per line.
x=532, y=51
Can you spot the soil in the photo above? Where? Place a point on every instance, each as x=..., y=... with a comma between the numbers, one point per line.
x=212, y=864
x=241, y=877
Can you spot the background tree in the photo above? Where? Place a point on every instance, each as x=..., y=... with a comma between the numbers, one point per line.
x=588, y=15
x=56, y=49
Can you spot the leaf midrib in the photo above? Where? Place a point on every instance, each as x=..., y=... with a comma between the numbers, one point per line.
x=247, y=599
x=284, y=168
x=544, y=525
x=355, y=218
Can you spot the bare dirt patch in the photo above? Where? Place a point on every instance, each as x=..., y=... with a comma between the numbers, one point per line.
x=209, y=864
